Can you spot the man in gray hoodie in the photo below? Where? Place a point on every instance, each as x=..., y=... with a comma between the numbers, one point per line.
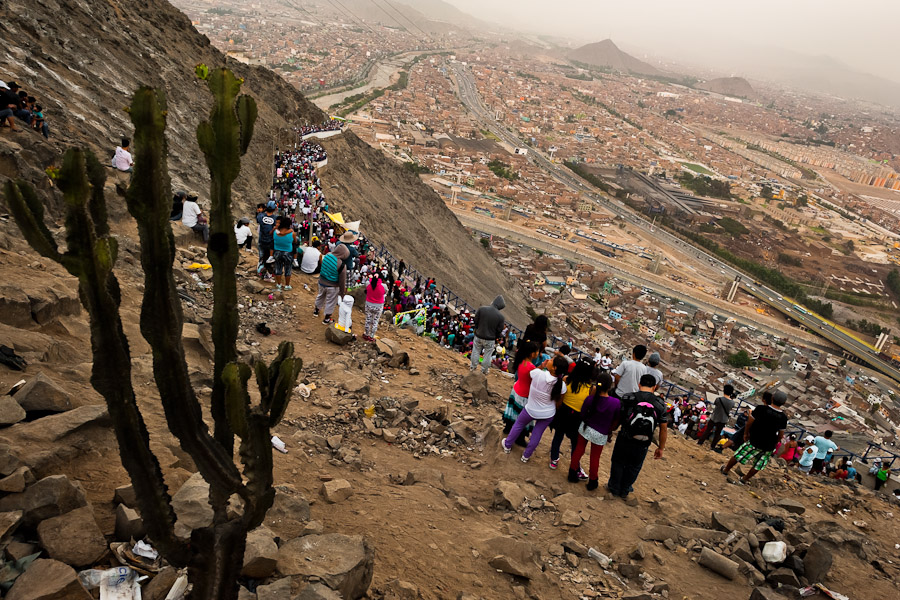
x=489, y=324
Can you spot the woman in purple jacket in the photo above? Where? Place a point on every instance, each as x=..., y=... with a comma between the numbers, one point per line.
x=600, y=417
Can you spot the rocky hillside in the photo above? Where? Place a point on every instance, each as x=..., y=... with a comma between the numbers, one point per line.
x=606, y=54
x=84, y=67
x=729, y=86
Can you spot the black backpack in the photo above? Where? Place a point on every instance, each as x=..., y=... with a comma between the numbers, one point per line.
x=640, y=420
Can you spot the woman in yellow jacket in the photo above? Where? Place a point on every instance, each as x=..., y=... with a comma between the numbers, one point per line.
x=568, y=417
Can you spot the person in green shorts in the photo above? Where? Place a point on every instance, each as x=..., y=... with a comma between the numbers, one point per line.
x=763, y=431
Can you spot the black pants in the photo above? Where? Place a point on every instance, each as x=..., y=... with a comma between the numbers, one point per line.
x=203, y=230
x=625, y=465
x=878, y=484
x=565, y=425
x=248, y=243
x=714, y=431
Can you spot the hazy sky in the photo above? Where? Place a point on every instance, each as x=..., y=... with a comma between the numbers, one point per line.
x=861, y=33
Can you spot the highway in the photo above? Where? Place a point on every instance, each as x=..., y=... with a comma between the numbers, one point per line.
x=660, y=285
x=468, y=94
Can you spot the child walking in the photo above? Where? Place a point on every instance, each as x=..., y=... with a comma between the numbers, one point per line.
x=544, y=397
x=600, y=417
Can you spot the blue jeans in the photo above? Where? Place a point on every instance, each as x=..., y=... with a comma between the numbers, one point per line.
x=477, y=347
x=625, y=465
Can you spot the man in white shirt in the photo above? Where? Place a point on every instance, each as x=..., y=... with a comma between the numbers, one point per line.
x=606, y=362
x=190, y=216
x=598, y=356
x=310, y=262
x=628, y=373
x=122, y=159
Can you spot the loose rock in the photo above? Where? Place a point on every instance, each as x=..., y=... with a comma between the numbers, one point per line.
x=48, y=498
x=343, y=562
x=261, y=554
x=47, y=579
x=73, y=538
x=336, y=490
x=719, y=564
x=42, y=394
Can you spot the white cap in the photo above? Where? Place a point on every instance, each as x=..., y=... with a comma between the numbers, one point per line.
x=3, y=85
x=810, y=439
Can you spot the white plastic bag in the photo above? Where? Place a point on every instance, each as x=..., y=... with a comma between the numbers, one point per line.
x=774, y=552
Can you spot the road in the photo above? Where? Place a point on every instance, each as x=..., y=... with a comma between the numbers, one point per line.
x=468, y=94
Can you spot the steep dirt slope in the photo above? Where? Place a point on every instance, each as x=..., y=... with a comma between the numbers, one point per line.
x=82, y=59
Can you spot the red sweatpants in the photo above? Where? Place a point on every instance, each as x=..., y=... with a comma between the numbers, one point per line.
x=596, y=451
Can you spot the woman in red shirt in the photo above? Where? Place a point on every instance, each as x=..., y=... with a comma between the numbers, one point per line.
x=521, y=368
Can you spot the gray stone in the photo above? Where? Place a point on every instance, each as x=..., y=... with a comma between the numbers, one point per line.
x=508, y=495
x=698, y=533
x=336, y=490
x=125, y=495
x=638, y=596
x=10, y=411
x=191, y=505
x=658, y=533
x=158, y=587
x=397, y=589
x=717, y=563
x=313, y=528
x=336, y=336
x=783, y=576
x=510, y=566
x=9, y=522
x=355, y=385
x=761, y=593
x=476, y=384
x=628, y=570
x=244, y=594
x=729, y=522
x=129, y=524
x=49, y=497
x=17, y=481
x=280, y=589
x=73, y=538
x=317, y=591
x=261, y=554
x=792, y=506
x=427, y=476
x=289, y=512
x=638, y=552
x=9, y=462
x=47, y=579
x=575, y=547
x=570, y=518
x=817, y=562
x=344, y=563
x=42, y=394
x=54, y=428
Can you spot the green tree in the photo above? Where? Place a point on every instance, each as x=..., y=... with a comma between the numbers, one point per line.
x=740, y=359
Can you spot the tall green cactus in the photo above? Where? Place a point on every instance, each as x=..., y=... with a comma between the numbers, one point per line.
x=224, y=138
x=214, y=554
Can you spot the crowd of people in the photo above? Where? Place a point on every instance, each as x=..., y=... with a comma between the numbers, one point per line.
x=585, y=400
x=330, y=124
x=18, y=104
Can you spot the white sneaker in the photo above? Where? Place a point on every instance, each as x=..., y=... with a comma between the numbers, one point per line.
x=296, y=264
x=270, y=260
x=505, y=449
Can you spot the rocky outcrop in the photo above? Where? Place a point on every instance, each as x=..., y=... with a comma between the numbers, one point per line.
x=344, y=563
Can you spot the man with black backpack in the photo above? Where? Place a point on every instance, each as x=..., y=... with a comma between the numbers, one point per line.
x=642, y=413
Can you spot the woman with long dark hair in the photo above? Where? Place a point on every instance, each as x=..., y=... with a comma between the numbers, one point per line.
x=600, y=416
x=568, y=417
x=544, y=397
x=521, y=369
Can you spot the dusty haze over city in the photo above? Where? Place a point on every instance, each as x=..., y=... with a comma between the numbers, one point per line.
x=725, y=35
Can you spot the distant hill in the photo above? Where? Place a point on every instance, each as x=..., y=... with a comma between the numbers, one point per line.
x=607, y=54
x=444, y=12
x=729, y=86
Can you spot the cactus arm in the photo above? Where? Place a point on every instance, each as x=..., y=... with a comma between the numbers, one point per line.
x=91, y=258
x=281, y=391
x=29, y=214
x=237, y=400
x=149, y=200
x=256, y=455
x=223, y=138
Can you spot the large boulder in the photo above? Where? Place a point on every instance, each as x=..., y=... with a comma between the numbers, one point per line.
x=48, y=498
x=336, y=336
x=289, y=513
x=280, y=589
x=336, y=490
x=475, y=383
x=729, y=522
x=73, y=538
x=10, y=411
x=317, y=591
x=343, y=562
x=47, y=579
x=511, y=555
x=261, y=554
x=427, y=476
x=42, y=394
x=792, y=506
x=817, y=562
x=191, y=505
x=9, y=522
